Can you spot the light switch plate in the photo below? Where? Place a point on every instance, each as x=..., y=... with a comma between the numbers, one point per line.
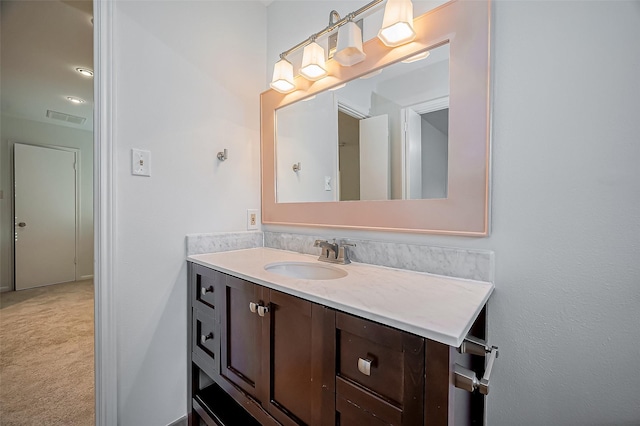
x=140, y=162
x=327, y=183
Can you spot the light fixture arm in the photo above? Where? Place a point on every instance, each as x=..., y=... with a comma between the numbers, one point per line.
x=332, y=26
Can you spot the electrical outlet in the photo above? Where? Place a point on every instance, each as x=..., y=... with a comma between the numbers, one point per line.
x=327, y=183
x=252, y=219
x=140, y=162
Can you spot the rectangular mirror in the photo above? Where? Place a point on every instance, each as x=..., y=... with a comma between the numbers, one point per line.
x=384, y=144
x=378, y=137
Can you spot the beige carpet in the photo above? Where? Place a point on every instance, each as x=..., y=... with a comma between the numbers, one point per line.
x=46, y=356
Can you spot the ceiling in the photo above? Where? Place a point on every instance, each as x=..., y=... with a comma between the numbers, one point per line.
x=42, y=42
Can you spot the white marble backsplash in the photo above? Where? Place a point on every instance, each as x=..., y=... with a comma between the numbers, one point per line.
x=222, y=241
x=452, y=262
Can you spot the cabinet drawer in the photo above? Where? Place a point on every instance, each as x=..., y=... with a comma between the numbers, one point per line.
x=349, y=414
x=206, y=283
x=206, y=339
x=380, y=367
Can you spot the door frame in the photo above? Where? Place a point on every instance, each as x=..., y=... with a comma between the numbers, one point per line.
x=104, y=196
x=76, y=154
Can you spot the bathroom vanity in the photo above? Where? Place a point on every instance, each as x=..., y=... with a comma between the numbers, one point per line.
x=277, y=337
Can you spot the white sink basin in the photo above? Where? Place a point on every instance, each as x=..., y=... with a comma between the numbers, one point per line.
x=306, y=270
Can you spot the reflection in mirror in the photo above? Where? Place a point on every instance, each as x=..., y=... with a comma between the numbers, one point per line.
x=380, y=137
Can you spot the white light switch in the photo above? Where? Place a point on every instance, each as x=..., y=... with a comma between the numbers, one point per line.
x=140, y=162
x=327, y=183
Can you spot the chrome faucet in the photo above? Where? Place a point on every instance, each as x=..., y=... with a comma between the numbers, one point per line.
x=327, y=248
x=335, y=252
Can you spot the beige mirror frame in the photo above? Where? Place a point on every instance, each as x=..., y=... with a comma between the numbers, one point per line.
x=465, y=25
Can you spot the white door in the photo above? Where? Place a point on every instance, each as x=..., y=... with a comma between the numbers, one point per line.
x=374, y=158
x=45, y=216
x=412, y=148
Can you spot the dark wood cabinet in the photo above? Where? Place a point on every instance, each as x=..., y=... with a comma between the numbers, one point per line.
x=296, y=369
x=260, y=356
x=273, y=359
x=241, y=336
x=380, y=370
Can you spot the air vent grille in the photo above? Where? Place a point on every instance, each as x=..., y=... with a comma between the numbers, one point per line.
x=65, y=117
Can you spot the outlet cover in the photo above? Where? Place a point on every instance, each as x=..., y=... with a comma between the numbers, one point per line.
x=253, y=218
x=140, y=162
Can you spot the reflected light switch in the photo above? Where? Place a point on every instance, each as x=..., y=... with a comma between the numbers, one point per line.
x=327, y=183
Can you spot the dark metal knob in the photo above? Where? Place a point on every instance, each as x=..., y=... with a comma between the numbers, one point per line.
x=22, y=224
x=203, y=338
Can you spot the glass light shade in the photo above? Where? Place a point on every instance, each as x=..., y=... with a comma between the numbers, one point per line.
x=397, y=24
x=313, y=64
x=349, y=51
x=282, y=80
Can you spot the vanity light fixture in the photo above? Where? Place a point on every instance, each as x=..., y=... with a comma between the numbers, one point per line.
x=418, y=57
x=397, y=24
x=349, y=51
x=313, y=61
x=75, y=100
x=85, y=71
x=313, y=64
x=282, y=80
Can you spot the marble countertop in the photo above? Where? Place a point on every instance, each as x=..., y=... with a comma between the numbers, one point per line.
x=436, y=307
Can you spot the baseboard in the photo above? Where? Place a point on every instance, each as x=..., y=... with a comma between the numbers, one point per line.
x=3, y=289
x=85, y=277
x=182, y=421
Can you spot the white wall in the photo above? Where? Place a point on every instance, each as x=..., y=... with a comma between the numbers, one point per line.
x=307, y=133
x=34, y=132
x=187, y=80
x=565, y=207
x=435, y=154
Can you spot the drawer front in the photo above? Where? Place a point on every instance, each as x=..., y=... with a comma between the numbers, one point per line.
x=206, y=283
x=371, y=355
x=206, y=339
x=381, y=370
x=349, y=394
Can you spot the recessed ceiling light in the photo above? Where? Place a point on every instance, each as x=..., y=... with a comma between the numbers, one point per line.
x=75, y=100
x=85, y=71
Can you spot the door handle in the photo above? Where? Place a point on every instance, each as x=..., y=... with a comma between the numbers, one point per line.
x=263, y=310
x=22, y=224
x=204, y=338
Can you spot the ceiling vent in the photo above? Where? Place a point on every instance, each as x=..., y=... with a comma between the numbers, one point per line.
x=65, y=117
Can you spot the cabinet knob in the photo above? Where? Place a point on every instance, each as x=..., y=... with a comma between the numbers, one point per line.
x=263, y=310
x=204, y=338
x=205, y=290
x=364, y=366
x=253, y=307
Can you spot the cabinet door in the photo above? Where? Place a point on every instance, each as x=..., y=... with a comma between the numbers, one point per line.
x=299, y=360
x=241, y=337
